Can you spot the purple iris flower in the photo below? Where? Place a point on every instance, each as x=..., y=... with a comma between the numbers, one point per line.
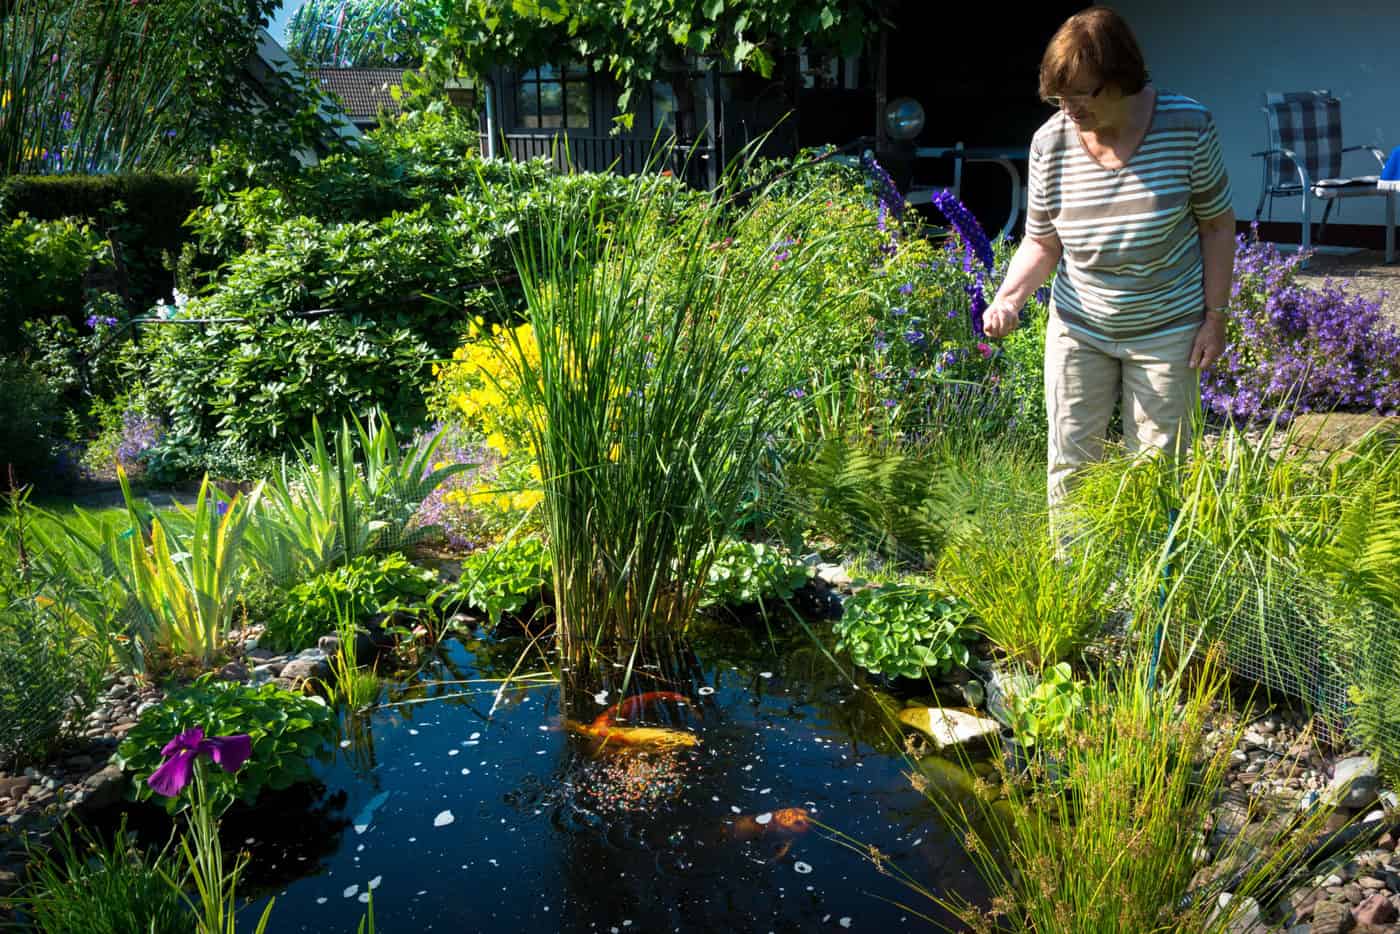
x=228, y=752
x=906, y=289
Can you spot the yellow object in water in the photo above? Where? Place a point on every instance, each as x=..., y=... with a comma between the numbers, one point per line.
x=634, y=737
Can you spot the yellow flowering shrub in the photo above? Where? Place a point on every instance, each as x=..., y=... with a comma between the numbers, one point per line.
x=478, y=394
x=479, y=388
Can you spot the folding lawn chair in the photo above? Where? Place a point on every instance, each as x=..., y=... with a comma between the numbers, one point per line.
x=1305, y=158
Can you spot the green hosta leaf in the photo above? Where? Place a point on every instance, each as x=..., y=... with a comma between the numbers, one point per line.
x=901, y=631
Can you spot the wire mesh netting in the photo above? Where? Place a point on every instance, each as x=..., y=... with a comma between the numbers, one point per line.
x=1338, y=656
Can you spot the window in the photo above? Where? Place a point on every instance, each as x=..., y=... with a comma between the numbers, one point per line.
x=663, y=105
x=548, y=97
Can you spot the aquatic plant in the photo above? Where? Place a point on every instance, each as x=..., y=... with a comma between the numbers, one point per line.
x=180, y=572
x=903, y=631
x=89, y=886
x=654, y=414
x=750, y=572
x=215, y=907
x=1037, y=606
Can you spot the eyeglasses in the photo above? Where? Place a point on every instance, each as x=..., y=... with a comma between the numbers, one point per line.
x=1058, y=101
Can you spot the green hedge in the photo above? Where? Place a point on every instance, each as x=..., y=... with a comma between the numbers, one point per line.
x=146, y=211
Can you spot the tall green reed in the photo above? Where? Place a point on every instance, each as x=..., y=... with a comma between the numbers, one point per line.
x=89, y=87
x=646, y=383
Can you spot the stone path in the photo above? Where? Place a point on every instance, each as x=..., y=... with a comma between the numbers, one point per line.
x=1366, y=274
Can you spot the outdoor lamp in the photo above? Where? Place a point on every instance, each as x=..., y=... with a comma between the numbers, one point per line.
x=904, y=118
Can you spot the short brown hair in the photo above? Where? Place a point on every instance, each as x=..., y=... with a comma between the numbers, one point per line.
x=1095, y=42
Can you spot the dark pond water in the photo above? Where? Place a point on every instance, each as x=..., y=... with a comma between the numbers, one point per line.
x=467, y=810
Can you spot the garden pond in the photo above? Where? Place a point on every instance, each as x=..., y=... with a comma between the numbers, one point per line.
x=464, y=806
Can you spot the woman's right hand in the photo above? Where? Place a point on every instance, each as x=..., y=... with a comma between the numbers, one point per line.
x=1000, y=318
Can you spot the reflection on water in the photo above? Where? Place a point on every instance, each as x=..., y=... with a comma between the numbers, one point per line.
x=467, y=808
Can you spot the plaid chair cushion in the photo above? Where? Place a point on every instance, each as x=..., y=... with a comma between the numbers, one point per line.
x=1310, y=124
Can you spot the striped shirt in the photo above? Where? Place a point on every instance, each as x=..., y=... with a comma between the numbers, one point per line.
x=1131, y=265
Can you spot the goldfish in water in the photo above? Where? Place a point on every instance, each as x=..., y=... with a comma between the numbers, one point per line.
x=605, y=728
x=634, y=737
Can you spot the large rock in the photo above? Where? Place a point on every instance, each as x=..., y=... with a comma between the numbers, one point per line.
x=104, y=789
x=1338, y=431
x=1355, y=783
x=1376, y=909
x=310, y=665
x=1332, y=918
x=950, y=727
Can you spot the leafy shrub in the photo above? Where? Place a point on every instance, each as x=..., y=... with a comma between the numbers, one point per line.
x=287, y=729
x=31, y=424
x=1052, y=710
x=751, y=572
x=360, y=588
x=145, y=213
x=901, y=631
x=88, y=886
x=41, y=271
x=1294, y=349
x=895, y=503
x=505, y=578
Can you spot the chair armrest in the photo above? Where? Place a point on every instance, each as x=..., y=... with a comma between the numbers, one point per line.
x=1380, y=156
x=1292, y=157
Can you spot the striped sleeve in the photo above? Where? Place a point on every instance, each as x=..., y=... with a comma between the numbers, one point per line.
x=1038, y=223
x=1210, y=187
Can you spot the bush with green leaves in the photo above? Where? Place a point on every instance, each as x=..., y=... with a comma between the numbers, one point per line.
x=403, y=236
x=894, y=502
x=41, y=271
x=357, y=589
x=752, y=572
x=503, y=579
x=898, y=630
x=288, y=731
x=31, y=424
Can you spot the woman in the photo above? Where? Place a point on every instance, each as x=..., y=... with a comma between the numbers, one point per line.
x=1129, y=200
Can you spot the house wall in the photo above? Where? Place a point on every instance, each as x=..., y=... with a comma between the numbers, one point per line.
x=1227, y=54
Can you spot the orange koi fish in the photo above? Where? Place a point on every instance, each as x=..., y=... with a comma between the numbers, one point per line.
x=604, y=727
x=784, y=822
x=629, y=707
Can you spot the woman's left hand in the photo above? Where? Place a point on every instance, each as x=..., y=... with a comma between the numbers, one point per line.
x=1210, y=341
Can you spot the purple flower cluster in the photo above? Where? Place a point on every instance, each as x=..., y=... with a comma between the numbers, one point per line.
x=438, y=507
x=974, y=238
x=140, y=433
x=106, y=321
x=891, y=202
x=1294, y=348
x=975, y=245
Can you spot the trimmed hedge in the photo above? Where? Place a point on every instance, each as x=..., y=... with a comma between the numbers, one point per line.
x=149, y=222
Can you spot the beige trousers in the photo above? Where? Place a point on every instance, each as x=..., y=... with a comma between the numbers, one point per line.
x=1085, y=376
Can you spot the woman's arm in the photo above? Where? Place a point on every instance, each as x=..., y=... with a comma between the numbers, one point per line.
x=1218, y=261
x=1035, y=259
